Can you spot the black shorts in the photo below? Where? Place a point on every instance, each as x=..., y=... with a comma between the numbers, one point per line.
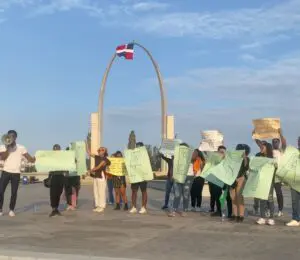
x=119, y=181
x=141, y=185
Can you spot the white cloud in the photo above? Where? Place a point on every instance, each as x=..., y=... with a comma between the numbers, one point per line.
x=149, y=6
x=265, y=41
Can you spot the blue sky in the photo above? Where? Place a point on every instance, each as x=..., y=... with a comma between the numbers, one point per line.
x=224, y=63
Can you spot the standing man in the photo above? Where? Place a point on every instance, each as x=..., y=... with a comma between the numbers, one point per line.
x=295, y=222
x=12, y=156
x=169, y=181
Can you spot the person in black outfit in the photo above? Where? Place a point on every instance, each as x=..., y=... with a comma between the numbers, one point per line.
x=197, y=186
x=56, y=187
x=216, y=191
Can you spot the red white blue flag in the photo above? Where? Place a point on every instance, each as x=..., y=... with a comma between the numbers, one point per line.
x=126, y=51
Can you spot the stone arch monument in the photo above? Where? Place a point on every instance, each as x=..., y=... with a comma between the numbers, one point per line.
x=167, y=122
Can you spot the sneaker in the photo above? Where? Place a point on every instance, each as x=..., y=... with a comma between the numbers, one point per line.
x=216, y=214
x=240, y=219
x=164, y=207
x=143, y=210
x=233, y=219
x=1, y=213
x=11, y=214
x=183, y=214
x=117, y=207
x=172, y=214
x=293, y=223
x=95, y=209
x=193, y=209
x=54, y=213
x=126, y=207
x=133, y=210
x=58, y=213
x=280, y=214
x=271, y=222
x=100, y=210
x=69, y=208
x=261, y=221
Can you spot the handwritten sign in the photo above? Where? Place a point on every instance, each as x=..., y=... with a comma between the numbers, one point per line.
x=211, y=140
x=182, y=161
x=168, y=147
x=117, y=166
x=260, y=178
x=80, y=154
x=138, y=165
x=47, y=161
x=266, y=128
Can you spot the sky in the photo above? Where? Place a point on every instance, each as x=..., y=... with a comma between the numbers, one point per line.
x=224, y=63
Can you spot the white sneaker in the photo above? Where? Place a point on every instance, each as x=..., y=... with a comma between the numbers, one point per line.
x=271, y=222
x=12, y=214
x=95, y=209
x=1, y=213
x=100, y=210
x=261, y=221
x=133, y=210
x=280, y=214
x=143, y=210
x=193, y=210
x=293, y=223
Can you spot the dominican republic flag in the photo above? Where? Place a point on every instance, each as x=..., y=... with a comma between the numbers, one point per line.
x=126, y=51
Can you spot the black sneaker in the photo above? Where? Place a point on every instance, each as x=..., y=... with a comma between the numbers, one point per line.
x=58, y=213
x=117, y=207
x=165, y=207
x=240, y=219
x=53, y=214
x=126, y=207
x=216, y=214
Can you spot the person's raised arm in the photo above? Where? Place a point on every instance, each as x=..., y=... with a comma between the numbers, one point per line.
x=29, y=158
x=282, y=140
x=166, y=159
x=257, y=141
x=88, y=151
x=99, y=166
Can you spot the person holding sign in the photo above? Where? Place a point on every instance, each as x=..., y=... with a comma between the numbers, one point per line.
x=99, y=175
x=183, y=189
x=135, y=187
x=169, y=181
x=119, y=183
x=237, y=198
x=267, y=151
x=57, y=181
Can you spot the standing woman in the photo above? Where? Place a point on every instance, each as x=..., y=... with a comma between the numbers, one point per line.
x=198, y=183
x=119, y=183
x=267, y=151
x=183, y=189
x=57, y=181
x=99, y=175
x=236, y=189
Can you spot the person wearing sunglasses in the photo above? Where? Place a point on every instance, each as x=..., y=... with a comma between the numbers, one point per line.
x=99, y=175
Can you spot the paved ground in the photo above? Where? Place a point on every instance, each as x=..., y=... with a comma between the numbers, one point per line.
x=82, y=234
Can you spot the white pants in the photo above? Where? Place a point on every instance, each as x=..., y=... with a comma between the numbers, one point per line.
x=100, y=193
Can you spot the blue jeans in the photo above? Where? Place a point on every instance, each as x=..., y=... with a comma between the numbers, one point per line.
x=169, y=186
x=110, y=188
x=182, y=190
x=296, y=204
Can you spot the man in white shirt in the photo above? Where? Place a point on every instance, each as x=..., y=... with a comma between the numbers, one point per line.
x=12, y=156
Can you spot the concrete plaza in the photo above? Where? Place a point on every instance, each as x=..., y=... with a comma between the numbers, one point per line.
x=118, y=235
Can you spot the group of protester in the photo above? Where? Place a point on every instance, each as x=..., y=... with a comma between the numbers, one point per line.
x=190, y=191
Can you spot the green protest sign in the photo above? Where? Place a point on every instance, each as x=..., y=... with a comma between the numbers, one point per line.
x=47, y=161
x=260, y=178
x=288, y=165
x=182, y=161
x=227, y=171
x=212, y=160
x=80, y=155
x=138, y=165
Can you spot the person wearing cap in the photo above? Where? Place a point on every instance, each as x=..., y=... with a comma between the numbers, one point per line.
x=12, y=155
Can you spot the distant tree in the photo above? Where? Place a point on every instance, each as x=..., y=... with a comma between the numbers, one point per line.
x=154, y=157
x=131, y=140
